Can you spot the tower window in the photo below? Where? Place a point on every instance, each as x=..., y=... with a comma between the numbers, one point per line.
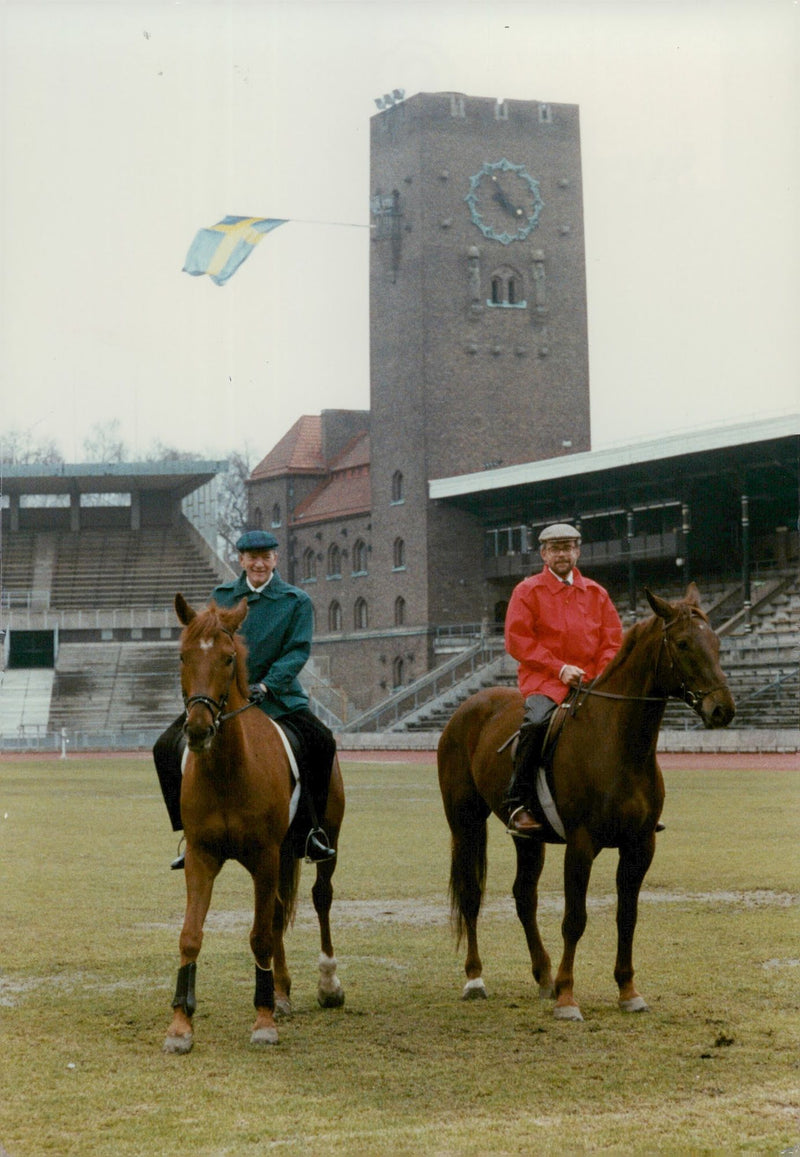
x=276, y=515
x=399, y=612
x=334, y=617
x=360, y=618
x=545, y=114
x=399, y=554
x=507, y=289
x=397, y=672
x=398, y=491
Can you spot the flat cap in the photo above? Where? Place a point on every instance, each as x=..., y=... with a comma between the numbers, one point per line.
x=257, y=540
x=559, y=530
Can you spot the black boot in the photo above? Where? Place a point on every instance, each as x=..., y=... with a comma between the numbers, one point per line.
x=317, y=847
x=520, y=821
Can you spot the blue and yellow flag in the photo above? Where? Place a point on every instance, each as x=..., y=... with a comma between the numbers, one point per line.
x=221, y=249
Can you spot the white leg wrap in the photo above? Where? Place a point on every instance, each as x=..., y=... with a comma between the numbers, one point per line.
x=328, y=980
x=474, y=989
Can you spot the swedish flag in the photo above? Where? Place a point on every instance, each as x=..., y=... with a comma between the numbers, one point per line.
x=221, y=249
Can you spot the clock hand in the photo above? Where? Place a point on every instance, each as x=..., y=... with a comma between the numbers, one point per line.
x=502, y=200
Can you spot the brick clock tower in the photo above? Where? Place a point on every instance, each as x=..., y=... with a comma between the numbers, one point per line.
x=478, y=331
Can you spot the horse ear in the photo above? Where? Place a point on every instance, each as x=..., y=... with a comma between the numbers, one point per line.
x=661, y=607
x=235, y=617
x=184, y=612
x=692, y=595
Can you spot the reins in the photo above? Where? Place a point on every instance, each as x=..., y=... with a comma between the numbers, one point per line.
x=691, y=698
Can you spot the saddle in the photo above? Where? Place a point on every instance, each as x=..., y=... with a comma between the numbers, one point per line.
x=314, y=785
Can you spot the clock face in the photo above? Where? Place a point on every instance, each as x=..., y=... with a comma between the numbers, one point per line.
x=504, y=201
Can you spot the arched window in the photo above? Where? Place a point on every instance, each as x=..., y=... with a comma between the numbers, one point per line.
x=334, y=617
x=258, y=519
x=399, y=562
x=334, y=562
x=397, y=672
x=359, y=557
x=276, y=514
x=507, y=289
x=309, y=565
x=398, y=493
x=399, y=611
x=360, y=619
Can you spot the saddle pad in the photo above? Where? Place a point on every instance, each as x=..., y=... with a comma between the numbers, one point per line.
x=293, y=802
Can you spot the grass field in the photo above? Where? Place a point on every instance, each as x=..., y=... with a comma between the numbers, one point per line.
x=89, y=922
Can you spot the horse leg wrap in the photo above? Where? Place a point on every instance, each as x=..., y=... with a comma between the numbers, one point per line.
x=184, y=990
x=265, y=989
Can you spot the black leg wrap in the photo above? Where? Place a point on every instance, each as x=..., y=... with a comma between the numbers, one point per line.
x=265, y=989
x=184, y=990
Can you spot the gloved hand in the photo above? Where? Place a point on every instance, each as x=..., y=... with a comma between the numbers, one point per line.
x=257, y=692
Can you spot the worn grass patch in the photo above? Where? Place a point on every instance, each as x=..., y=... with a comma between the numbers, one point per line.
x=89, y=922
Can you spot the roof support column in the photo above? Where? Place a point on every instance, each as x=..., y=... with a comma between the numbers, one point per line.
x=746, y=597
x=631, y=564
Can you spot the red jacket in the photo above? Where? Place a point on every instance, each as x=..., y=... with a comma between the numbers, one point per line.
x=550, y=623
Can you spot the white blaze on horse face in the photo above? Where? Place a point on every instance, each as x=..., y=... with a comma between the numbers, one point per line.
x=206, y=644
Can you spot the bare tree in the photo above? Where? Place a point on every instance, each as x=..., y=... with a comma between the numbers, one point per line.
x=232, y=513
x=19, y=448
x=105, y=443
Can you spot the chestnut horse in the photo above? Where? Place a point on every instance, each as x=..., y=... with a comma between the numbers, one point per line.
x=605, y=787
x=235, y=804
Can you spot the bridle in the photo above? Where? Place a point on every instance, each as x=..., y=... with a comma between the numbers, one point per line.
x=691, y=698
x=216, y=707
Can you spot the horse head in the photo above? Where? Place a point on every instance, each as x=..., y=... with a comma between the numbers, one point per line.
x=212, y=666
x=691, y=655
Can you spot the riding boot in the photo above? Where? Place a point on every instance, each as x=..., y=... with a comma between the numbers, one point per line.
x=167, y=756
x=317, y=848
x=520, y=791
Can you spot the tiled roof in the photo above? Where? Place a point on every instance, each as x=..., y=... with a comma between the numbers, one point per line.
x=356, y=453
x=298, y=452
x=346, y=492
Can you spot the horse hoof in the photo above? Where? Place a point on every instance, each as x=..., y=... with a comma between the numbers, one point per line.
x=474, y=990
x=179, y=1044
x=635, y=1004
x=333, y=999
x=567, y=1012
x=264, y=1036
x=283, y=1007
x=546, y=992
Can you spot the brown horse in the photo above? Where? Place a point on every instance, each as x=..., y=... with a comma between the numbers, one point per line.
x=235, y=803
x=605, y=785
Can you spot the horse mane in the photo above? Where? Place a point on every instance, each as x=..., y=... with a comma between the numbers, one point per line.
x=629, y=641
x=212, y=620
x=683, y=609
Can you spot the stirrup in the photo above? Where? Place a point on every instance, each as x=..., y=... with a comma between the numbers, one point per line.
x=513, y=831
x=317, y=847
x=180, y=860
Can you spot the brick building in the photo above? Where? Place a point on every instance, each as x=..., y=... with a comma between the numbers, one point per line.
x=479, y=360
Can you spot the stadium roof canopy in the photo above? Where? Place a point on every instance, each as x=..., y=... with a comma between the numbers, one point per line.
x=706, y=453
x=178, y=477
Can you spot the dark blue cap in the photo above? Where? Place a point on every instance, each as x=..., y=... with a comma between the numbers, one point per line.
x=257, y=540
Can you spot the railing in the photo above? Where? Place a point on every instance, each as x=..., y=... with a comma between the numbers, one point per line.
x=424, y=689
x=24, y=599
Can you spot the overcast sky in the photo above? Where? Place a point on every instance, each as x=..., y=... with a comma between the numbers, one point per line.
x=127, y=126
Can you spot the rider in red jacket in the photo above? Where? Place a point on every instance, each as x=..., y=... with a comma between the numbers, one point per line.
x=561, y=628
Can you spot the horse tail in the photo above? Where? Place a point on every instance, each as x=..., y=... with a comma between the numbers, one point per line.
x=288, y=881
x=467, y=871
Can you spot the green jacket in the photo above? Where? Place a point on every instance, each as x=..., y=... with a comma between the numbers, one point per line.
x=277, y=631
